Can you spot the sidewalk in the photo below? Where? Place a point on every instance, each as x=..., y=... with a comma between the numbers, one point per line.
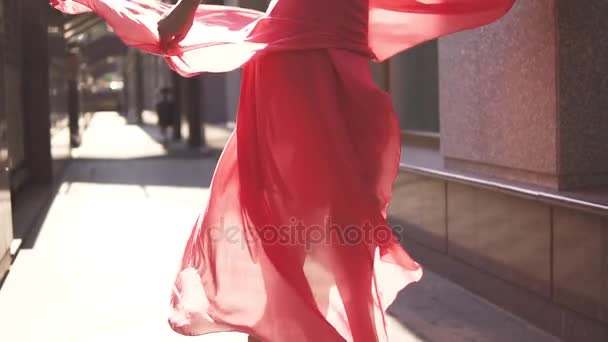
x=102, y=267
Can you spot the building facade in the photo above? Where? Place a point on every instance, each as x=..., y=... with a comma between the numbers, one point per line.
x=25, y=120
x=504, y=179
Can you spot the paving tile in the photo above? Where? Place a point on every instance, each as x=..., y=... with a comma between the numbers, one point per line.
x=102, y=266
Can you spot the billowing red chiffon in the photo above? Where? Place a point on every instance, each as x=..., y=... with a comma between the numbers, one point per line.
x=294, y=244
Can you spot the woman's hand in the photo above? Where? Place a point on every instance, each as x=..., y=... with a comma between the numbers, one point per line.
x=175, y=25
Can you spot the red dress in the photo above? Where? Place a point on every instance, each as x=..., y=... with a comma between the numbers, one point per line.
x=294, y=244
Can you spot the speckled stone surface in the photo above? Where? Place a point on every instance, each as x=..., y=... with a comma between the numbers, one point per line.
x=498, y=91
x=526, y=98
x=583, y=91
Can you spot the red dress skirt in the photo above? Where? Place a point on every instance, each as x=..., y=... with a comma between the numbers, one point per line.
x=294, y=244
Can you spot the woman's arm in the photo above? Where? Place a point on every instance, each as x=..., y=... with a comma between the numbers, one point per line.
x=174, y=26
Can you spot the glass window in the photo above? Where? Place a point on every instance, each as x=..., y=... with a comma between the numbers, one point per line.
x=414, y=87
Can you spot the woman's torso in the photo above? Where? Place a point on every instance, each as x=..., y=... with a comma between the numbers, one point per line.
x=309, y=24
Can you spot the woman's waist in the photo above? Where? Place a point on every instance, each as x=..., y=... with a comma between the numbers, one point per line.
x=290, y=34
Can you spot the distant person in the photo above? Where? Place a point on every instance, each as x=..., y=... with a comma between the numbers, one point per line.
x=165, y=109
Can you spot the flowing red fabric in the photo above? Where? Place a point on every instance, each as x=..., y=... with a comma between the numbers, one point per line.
x=294, y=244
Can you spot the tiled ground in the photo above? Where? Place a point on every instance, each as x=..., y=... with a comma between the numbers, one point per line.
x=103, y=263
